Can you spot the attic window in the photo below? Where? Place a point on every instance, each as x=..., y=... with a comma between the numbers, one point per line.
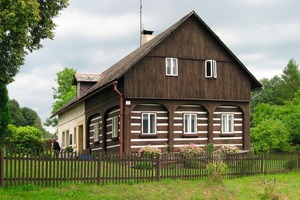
x=210, y=69
x=171, y=67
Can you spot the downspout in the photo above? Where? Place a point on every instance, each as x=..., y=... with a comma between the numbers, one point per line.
x=115, y=84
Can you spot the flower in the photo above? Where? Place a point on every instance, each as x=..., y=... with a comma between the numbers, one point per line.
x=228, y=149
x=191, y=150
x=149, y=151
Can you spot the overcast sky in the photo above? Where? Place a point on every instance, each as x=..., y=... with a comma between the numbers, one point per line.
x=93, y=35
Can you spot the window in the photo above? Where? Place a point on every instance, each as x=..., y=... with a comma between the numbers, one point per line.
x=190, y=123
x=96, y=132
x=210, y=69
x=227, y=123
x=115, y=127
x=71, y=138
x=148, y=123
x=75, y=135
x=67, y=138
x=63, y=139
x=171, y=67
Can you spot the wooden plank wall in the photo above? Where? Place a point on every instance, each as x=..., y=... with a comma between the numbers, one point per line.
x=237, y=137
x=181, y=139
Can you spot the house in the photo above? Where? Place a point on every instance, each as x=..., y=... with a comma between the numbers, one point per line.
x=183, y=86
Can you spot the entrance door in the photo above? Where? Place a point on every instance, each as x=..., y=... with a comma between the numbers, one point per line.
x=80, y=139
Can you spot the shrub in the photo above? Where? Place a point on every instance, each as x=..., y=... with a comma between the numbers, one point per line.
x=228, y=149
x=149, y=151
x=143, y=165
x=216, y=170
x=191, y=150
x=291, y=165
x=69, y=149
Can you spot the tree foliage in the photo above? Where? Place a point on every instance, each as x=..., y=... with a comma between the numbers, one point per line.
x=270, y=135
x=65, y=91
x=278, y=103
x=23, y=116
x=4, y=113
x=26, y=138
x=23, y=24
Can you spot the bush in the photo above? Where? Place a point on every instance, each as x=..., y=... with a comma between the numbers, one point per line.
x=270, y=135
x=191, y=150
x=69, y=149
x=291, y=165
x=27, y=138
x=149, y=151
x=143, y=165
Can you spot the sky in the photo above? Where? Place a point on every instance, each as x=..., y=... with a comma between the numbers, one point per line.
x=93, y=35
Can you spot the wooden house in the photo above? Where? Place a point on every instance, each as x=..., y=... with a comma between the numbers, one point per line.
x=183, y=86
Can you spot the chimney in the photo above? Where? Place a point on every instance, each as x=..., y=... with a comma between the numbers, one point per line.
x=146, y=36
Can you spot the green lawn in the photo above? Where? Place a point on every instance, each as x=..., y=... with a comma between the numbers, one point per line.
x=286, y=186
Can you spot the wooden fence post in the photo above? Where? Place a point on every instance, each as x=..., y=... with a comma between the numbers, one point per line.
x=158, y=167
x=263, y=161
x=1, y=167
x=99, y=168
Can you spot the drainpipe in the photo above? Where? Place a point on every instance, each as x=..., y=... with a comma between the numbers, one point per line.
x=115, y=84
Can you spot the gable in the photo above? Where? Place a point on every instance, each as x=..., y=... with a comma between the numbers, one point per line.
x=191, y=43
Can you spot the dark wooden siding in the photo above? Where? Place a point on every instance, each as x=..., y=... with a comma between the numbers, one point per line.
x=199, y=139
x=160, y=139
x=112, y=144
x=96, y=145
x=192, y=45
x=236, y=138
x=101, y=104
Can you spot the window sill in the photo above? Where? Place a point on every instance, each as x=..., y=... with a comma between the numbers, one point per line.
x=189, y=135
x=226, y=135
x=148, y=136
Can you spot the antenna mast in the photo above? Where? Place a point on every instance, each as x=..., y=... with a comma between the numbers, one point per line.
x=141, y=23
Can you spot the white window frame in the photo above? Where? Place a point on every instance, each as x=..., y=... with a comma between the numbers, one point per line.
x=149, y=114
x=96, y=132
x=212, y=66
x=115, y=127
x=171, y=66
x=187, y=127
x=227, y=123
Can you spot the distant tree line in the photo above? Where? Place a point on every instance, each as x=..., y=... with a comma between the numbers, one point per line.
x=275, y=112
x=25, y=129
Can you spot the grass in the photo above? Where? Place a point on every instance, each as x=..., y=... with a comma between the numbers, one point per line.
x=279, y=186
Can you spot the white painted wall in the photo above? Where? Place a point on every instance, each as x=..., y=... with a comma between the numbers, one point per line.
x=68, y=122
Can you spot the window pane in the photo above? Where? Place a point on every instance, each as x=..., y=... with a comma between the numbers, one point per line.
x=193, y=123
x=115, y=127
x=227, y=123
x=186, y=123
x=152, y=123
x=168, y=66
x=145, y=123
x=174, y=66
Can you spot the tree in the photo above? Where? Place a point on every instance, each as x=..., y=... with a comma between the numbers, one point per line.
x=16, y=114
x=290, y=81
x=65, y=91
x=4, y=113
x=23, y=24
x=24, y=116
